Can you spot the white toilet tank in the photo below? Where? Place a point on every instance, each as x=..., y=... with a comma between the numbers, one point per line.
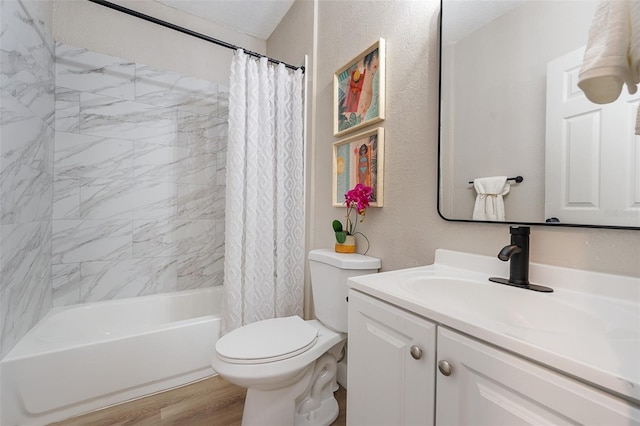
x=329, y=273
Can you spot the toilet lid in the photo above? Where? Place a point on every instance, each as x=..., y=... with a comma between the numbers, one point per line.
x=267, y=341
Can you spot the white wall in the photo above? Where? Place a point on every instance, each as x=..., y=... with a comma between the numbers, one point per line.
x=499, y=102
x=100, y=29
x=407, y=230
x=26, y=165
x=139, y=179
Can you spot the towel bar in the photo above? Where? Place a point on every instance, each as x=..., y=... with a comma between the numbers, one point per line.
x=518, y=179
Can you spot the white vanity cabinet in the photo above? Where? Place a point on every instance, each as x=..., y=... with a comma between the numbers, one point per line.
x=462, y=381
x=391, y=372
x=488, y=386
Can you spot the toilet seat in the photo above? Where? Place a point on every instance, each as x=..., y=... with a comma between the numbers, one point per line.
x=267, y=341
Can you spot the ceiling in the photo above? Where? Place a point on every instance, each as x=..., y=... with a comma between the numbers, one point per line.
x=257, y=18
x=463, y=17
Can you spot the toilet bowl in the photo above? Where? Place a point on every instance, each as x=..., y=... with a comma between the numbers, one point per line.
x=274, y=383
x=288, y=365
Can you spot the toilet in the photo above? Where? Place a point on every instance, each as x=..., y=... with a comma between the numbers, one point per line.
x=289, y=365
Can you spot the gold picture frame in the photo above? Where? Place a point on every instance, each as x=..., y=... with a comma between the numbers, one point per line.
x=359, y=90
x=359, y=159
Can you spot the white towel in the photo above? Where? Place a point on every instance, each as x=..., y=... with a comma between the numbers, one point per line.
x=607, y=64
x=612, y=56
x=634, y=49
x=489, y=202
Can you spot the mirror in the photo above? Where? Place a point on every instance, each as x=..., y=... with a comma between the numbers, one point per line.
x=510, y=106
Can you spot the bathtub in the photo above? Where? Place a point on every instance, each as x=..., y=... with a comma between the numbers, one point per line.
x=84, y=357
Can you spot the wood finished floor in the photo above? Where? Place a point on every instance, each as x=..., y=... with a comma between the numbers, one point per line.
x=212, y=401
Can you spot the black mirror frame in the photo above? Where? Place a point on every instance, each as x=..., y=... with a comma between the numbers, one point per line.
x=439, y=192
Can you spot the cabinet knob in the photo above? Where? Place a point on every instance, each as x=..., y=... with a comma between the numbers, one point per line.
x=445, y=368
x=415, y=352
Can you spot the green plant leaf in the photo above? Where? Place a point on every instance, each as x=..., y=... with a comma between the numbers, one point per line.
x=337, y=226
x=341, y=236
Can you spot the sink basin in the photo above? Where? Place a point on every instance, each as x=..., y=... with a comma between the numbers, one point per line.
x=589, y=327
x=509, y=307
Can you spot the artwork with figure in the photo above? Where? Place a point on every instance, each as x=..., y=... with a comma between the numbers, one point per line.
x=359, y=159
x=359, y=90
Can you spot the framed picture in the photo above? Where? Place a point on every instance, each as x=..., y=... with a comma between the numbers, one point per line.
x=359, y=159
x=358, y=91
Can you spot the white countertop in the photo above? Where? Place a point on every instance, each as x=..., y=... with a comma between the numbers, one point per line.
x=588, y=328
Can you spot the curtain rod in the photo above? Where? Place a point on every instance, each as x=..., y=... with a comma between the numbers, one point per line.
x=188, y=32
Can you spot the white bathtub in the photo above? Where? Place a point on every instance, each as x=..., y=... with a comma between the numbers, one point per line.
x=84, y=357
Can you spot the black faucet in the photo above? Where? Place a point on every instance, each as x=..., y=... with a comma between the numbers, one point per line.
x=518, y=254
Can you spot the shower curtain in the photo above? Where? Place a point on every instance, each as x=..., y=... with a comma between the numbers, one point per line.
x=264, y=216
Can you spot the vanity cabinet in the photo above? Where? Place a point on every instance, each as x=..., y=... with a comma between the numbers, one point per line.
x=391, y=362
x=462, y=381
x=489, y=386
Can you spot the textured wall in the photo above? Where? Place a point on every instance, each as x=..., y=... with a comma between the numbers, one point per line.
x=26, y=167
x=407, y=230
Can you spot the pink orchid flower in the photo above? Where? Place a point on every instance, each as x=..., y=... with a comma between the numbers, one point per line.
x=357, y=198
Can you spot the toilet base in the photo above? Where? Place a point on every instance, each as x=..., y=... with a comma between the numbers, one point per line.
x=274, y=407
x=318, y=406
x=279, y=412
x=310, y=401
x=326, y=414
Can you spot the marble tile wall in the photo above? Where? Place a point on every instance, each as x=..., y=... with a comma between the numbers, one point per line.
x=111, y=176
x=138, y=189
x=26, y=169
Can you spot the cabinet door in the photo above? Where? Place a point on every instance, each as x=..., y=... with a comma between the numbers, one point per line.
x=489, y=386
x=387, y=385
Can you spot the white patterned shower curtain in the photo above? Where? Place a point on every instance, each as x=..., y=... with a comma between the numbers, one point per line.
x=264, y=229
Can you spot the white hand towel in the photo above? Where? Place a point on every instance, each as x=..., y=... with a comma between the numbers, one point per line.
x=489, y=202
x=607, y=62
x=612, y=56
x=634, y=48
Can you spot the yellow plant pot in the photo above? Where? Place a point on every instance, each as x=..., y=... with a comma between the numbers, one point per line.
x=349, y=245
